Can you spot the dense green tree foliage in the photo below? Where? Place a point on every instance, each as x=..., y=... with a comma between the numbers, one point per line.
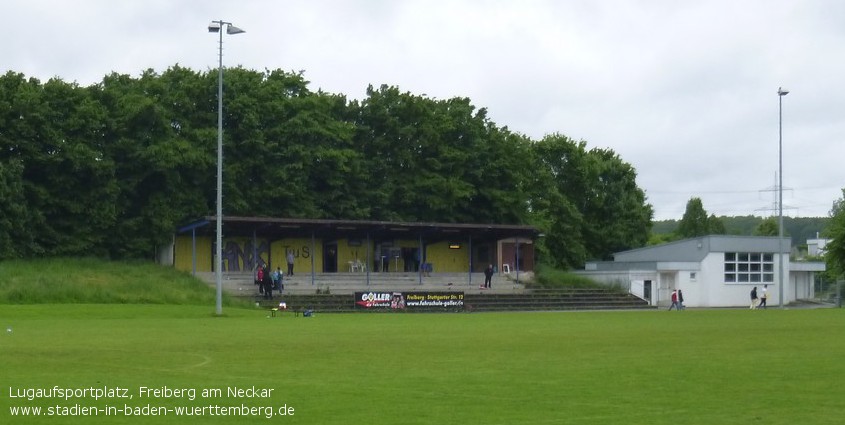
x=835, y=256
x=553, y=213
x=767, y=227
x=600, y=209
x=716, y=225
x=695, y=222
x=15, y=230
x=112, y=169
x=798, y=228
x=439, y=160
x=54, y=168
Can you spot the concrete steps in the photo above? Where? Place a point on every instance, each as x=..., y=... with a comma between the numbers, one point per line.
x=241, y=284
x=555, y=299
x=333, y=292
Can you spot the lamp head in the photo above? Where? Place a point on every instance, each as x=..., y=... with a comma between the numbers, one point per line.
x=231, y=29
x=782, y=91
x=214, y=26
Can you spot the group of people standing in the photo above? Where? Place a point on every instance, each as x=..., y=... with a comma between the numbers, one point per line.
x=269, y=281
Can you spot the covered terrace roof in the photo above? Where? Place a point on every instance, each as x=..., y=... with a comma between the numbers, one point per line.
x=278, y=228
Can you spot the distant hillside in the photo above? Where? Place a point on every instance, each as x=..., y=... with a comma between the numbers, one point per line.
x=800, y=228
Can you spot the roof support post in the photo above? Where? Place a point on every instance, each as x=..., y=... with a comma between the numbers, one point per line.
x=469, y=260
x=369, y=262
x=421, y=258
x=193, y=252
x=255, y=262
x=312, y=258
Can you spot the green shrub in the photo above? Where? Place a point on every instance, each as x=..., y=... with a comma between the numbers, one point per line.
x=550, y=278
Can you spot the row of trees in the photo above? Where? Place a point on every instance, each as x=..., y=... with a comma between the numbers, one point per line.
x=696, y=222
x=114, y=168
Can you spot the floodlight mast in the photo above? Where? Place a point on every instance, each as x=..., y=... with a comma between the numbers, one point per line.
x=781, y=94
x=216, y=26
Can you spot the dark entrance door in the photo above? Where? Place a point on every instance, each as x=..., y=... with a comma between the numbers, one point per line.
x=330, y=257
x=483, y=256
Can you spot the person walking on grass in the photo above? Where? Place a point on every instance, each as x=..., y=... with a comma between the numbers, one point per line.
x=753, y=298
x=674, y=301
x=681, y=300
x=763, y=296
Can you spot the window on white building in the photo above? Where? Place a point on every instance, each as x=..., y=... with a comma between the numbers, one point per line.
x=749, y=267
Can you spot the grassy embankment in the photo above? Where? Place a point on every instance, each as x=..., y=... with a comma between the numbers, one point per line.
x=93, y=281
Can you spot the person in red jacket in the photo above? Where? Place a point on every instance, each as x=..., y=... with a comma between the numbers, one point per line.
x=674, y=301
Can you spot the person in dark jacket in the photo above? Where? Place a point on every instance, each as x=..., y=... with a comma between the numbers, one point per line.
x=488, y=277
x=268, y=284
x=754, y=298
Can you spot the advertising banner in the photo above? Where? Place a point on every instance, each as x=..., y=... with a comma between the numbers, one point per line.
x=409, y=301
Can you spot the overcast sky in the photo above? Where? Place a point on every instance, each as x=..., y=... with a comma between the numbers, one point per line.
x=685, y=91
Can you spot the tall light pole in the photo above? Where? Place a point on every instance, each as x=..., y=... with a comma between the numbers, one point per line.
x=217, y=26
x=781, y=94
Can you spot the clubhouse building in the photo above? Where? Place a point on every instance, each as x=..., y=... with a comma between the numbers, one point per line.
x=712, y=271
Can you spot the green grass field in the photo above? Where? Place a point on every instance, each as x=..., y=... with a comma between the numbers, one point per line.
x=652, y=367
x=83, y=324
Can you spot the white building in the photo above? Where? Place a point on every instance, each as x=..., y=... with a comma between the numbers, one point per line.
x=712, y=271
x=817, y=247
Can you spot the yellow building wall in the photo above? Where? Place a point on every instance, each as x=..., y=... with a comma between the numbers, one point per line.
x=182, y=254
x=239, y=254
x=446, y=260
x=348, y=253
x=303, y=253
